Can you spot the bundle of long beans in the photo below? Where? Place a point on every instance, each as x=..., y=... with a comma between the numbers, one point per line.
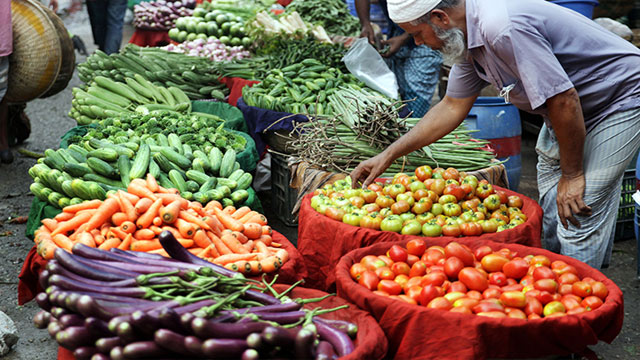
x=129, y=305
x=365, y=124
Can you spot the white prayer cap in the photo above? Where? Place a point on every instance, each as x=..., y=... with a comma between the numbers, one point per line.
x=404, y=11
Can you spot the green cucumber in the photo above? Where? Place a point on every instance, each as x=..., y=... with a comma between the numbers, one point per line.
x=140, y=163
x=81, y=189
x=215, y=159
x=176, y=158
x=124, y=167
x=236, y=175
x=239, y=196
x=244, y=181
x=226, y=165
x=192, y=186
x=77, y=170
x=209, y=184
x=197, y=176
x=104, y=180
x=101, y=167
x=106, y=154
x=177, y=180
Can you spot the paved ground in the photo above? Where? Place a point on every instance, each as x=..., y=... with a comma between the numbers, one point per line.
x=49, y=122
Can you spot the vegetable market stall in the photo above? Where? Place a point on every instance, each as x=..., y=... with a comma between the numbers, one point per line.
x=417, y=332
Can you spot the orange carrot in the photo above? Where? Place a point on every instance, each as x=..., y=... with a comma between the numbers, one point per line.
x=261, y=247
x=187, y=216
x=63, y=216
x=86, y=238
x=63, y=241
x=249, y=245
x=160, y=251
x=172, y=230
x=169, y=213
x=169, y=198
x=212, y=204
x=266, y=239
x=227, y=258
x=197, y=207
x=241, y=266
x=41, y=234
x=92, y=204
x=143, y=205
x=156, y=229
x=185, y=228
x=212, y=251
x=252, y=230
x=110, y=244
x=104, y=229
x=239, y=213
x=140, y=189
x=127, y=207
x=270, y=264
x=144, y=221
x=162, y=190
x=126, y=243
x=157, y=221
x=266, y=230
x=187, y=243
x=128, y=227
x=72, y=224
x=118, y=233
x=102, y=214
x=233, y=244
x=152, y=184
x=119, y=218
x=258, y=218
x=133, y=199
x=201, y=239
x=46, y=248
x=228, y=221
x=219, y=244
x=229, y=210
x=145, y=245
x=256, y=267
x=50, y=224
x=97, y=237
x=240, y=236
x=283, y=255
x=144, y=234
x=213, y=223
x=246, y=217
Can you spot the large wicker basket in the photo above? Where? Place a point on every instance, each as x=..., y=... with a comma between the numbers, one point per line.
x=37, y=57
x=68, y=56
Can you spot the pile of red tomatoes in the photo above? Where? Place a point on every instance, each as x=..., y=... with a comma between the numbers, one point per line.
x=481, y=282
x=431, y=202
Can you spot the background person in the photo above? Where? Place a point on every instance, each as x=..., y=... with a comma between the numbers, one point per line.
x=548, y=60
x=107, y=19
x=416, y=67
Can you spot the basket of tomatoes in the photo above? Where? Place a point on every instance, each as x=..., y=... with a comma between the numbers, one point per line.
x=431, y=202
x=480, y=299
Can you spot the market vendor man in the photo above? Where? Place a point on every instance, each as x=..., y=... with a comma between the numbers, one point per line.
x=416, y=67
x=547, y=60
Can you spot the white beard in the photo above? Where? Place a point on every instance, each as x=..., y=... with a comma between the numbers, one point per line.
x=454, y=50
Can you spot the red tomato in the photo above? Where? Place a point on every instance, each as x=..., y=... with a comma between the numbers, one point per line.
x=385, y=273
x=369, y=279
x=356, y=269
x=414, y=281
x=582, y=289
x=514, y=299
x=334, y=213
x=588, y=280
x=436, y=278
x=494, y=262
x=451, y=230
x=527, y=280
x=591, y=302
x=493, y=314
x=390, y=287
x=565, y=289
x=381, y=293
x=407, y=299
x=432, y=256
x=471, y=229
x=402, y=279
x=600, y=290
x=461, y=310
x=466, y=302
x=516, y=268
x=578, y=310
x=570, y=303
x=516, y=314
x=533, y=306
x=372, y=262
x=419, y=268
x=492, y=293
x=400, y=268
x=540, y=260
x=482, y=251
x=416, y=247
x=512, y=287
x=497, y=278
x=473, y=279
x=533, y=316
x=387, y=260
x=411, y=259
x=414, y=292
x=488, y=305
x=473, y=294
x=568, y=278
x=462, y=253
x=429, y=293
x=439, y=303
x=552, y=308
x=453, y=296
x=397, y=253
x=452, y=267
x=549, y=285
x=457, y=286
x=543, y=272
x=514, y=201
x=423, y=172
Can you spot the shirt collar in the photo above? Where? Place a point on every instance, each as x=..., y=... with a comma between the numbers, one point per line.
x=474, y=38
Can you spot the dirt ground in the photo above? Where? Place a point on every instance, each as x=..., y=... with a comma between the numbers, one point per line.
x=49, y=122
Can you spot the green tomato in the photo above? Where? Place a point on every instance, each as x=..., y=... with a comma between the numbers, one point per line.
x=431, y=229
x=322, y=207
x=416, y=185
x=407, y=216
x=349, y=193
x=406, y=197
x=352, y=219
x=341, y=202
x=437, y=209
x=412, y=227
x=391, y=223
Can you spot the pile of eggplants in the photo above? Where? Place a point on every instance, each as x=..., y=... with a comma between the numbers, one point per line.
x=161, y=14
x=129, y=305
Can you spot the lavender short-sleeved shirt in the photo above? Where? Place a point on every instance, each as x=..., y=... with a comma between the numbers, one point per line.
x=6, y=35
x=543, y=49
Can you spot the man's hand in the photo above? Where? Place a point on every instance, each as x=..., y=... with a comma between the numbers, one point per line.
x=368, y=170
x=395, y=43
x=53, y=4
x=570, y=201
x=367, y=31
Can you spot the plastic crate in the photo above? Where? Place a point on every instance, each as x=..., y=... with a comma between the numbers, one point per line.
x=626, y=210
x=283, y=196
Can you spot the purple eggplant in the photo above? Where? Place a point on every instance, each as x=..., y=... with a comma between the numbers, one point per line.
x=139, y=268
x=97, y=327
x=97, y=254
x=58, y=312
x=170, y=319
x=114, y=269
x=278, y=336
x=43, y=278
x=41, y=319
x=70, y=284
x=171, y=341
x=144, y=323
x=117, y=353
x=250, y=354
x=145, y=350
x=209, y=329
x=85, y=352
x=74, y=337
x=69, y=320
x=53, y=328
x=255, y=341
x=105, y=345
x=324, y=351
x=100, y=356
x=87, y=306
x=71, y=263
x=304, y=344
x=340, y=341
x=224, y=348
x=193, y=345
x=261, y=297
x=42, y=299
x=56, y=268
x=116, y=320
x=283, y=318
x=346, y=327
x=193, y=307
x=128, y=333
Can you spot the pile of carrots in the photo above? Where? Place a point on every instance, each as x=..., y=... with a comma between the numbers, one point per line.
x=238, y=239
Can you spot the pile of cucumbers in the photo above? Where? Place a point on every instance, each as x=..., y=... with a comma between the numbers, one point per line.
x=301, y=88
x=93, y=168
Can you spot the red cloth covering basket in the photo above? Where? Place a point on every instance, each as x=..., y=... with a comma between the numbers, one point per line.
x=416, y=332
x=153, y=38
x=322, y=241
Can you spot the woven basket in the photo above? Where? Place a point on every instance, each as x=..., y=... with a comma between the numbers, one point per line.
x=68, y=56
x=37, y=56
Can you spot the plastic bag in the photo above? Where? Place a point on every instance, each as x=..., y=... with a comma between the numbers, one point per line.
x=365, y=63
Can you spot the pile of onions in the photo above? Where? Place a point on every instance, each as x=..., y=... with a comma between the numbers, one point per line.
x=211, y=48
x=161, y=14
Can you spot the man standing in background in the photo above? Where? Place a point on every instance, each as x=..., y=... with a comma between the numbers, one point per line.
x=416, y=67
x=107, y=19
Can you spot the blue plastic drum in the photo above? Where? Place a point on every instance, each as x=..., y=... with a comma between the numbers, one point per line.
x=584, y=7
